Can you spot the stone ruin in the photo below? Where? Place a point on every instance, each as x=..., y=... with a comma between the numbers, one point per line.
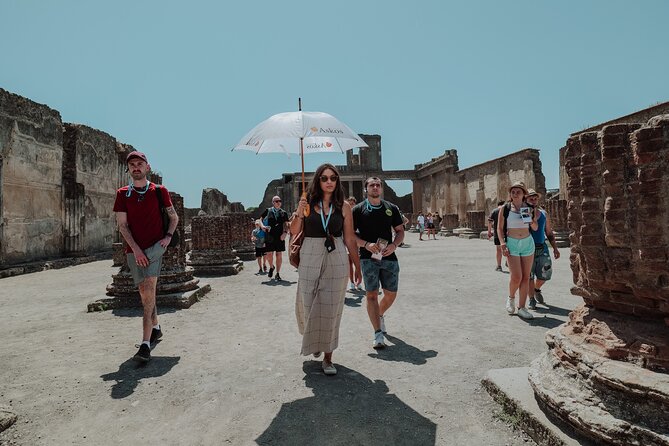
x=241, y=227
x=177, y=288
x=212, y=253
x=606, y=371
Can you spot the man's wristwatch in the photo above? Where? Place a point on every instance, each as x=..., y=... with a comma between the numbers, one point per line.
x=170, y=234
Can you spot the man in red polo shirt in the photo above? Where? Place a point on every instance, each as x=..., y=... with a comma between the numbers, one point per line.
x=140, y=222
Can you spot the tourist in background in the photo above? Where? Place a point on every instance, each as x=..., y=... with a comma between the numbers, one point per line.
x=375, y=220
x=352, y=286
x=275, y=224
x=329, y=243
x=542, y=268
x=492, y=232
x=140, y=222
x=258, y=239
x=513, y=230
x=429, y=223
x=421, y=225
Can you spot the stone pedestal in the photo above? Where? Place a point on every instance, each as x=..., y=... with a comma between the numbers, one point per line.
x=558, y=212
x=448, y=224
x=606, y=372
x=118, y=254
x=212, y=253
x=467, y=233
x=177, y=288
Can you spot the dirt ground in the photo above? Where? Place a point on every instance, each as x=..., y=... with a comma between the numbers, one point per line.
x=228, y=370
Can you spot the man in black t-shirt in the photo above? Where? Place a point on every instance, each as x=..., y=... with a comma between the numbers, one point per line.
x=275, y=223
x=492, y=232
x=375, y=220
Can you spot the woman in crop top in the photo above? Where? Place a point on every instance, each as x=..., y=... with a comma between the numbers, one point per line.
x=323, y=270
x=517, y=245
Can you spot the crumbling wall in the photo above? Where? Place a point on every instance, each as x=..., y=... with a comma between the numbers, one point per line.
x=618, y=213
x=93, y=169
x=440, y=187
x=31, y=154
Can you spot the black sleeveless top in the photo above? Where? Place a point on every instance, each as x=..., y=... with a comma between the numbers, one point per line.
x=313, y=226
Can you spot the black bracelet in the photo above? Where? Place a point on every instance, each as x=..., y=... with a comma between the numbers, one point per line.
x=170, y=234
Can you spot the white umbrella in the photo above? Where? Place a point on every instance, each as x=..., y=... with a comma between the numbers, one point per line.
x=300, y=132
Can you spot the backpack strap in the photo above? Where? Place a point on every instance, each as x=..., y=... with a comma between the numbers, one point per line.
x=161, y=204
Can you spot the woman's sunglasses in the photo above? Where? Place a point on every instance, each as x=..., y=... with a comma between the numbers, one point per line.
x=325, y=178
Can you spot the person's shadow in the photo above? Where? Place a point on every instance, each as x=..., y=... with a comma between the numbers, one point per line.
x=347, y=409
x=130, y=373
x=355, y=301
x=400, y=351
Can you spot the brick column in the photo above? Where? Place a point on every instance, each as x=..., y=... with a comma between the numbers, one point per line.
x=241, y=226
x=605, y=372
x=212, y=239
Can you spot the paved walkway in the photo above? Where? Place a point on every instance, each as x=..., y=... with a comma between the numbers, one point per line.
x=228, y=370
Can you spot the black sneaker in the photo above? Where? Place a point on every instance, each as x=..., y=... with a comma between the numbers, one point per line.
x=156, y=334
x=539, y=296
x=278, y=277
x=143, y=354
x=271, y=271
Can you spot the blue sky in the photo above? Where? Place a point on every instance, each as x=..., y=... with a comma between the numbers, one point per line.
x=184, y=81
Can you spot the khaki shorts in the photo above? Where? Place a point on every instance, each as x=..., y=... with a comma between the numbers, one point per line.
x=155, y=255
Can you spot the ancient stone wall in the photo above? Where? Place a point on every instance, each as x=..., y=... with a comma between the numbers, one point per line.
x=93, y=169
x=618, y=183
x=442, y=188
x=31, y=157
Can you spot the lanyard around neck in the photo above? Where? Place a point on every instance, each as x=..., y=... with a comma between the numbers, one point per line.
x=323, y=220
x=131, y=187
x=369, y=206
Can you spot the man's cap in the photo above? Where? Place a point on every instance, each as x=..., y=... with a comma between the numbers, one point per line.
x=520, y=185
x=136, y=154
x=531, y=192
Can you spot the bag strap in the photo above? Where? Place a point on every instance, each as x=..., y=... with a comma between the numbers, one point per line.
x=161, y=204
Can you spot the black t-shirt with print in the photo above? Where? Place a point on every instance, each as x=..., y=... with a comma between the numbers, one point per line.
x=375, y=224
x=275, y=220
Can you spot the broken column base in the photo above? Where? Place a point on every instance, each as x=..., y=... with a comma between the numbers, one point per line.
x=467, y=233
x=246, y=255
x=512, y=391
x=606, y=376
x=215, y=262
x=174, y=300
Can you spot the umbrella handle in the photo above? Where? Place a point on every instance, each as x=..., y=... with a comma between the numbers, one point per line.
x=307, y=210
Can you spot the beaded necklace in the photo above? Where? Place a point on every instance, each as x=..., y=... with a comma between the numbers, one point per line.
x=131, y=187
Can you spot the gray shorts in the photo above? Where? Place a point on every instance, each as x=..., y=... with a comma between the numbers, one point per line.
x=387, y=272
x=542, y=268
x=155, y=255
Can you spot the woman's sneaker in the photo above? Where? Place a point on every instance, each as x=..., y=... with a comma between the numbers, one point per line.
x=510, y=305
x=522, y=312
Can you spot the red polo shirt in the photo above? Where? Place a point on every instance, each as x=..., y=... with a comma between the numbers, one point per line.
x=144, y=219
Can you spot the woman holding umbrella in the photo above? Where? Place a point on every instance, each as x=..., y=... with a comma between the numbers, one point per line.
x=323, y=270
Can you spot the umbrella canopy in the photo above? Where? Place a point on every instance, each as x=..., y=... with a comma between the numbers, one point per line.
x=293, y=131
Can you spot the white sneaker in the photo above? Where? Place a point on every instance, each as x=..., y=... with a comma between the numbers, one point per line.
x=378, y=341
x=522, y=312
x=510, y=305
x=383, y=325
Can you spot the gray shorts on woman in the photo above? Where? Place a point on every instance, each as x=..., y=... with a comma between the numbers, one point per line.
x=155, y=255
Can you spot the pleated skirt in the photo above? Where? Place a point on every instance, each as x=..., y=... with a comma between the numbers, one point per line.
x=321, y=291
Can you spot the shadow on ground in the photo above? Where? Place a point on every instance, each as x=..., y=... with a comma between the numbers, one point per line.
x=551, y=309
x=130, y=373
x=138, y=312
x=400, y=351
x=347, y=409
